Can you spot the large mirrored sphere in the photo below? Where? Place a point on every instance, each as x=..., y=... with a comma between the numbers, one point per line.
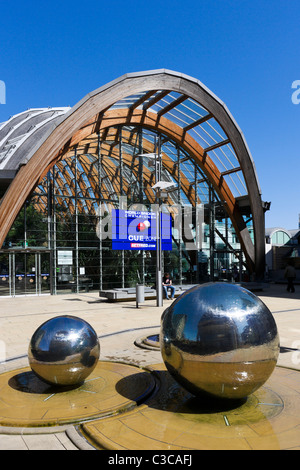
x=219, y=340
x=64, y=351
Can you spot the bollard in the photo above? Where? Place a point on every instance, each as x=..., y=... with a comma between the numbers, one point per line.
x=140, y=294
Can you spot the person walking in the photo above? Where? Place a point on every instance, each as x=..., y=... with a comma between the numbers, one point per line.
x=290, y=275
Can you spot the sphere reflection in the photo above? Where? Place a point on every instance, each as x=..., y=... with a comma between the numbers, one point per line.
x=219, y=339
x=64, y=351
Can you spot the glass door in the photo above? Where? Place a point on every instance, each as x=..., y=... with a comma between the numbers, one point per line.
x=44, y=277
x=5, y=285
x=19, y=273
x=24, y=273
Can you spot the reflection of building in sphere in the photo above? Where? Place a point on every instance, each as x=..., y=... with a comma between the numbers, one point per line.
x=64, y=351
x=219, y=339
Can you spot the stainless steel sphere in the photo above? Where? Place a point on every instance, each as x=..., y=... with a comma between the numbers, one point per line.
x=64, y=351
x=219, y=340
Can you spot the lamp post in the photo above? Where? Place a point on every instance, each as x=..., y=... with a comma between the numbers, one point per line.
x=159, y=294
x=161, y=191
x=157, y=189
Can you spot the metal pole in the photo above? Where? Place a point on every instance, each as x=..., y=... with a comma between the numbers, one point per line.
x=179, y=216
x=121, y=193
x=13, y=274
x=159, y=290
x=241, y=266
x=100, y=224
x=50, y=228
x=37, y=277
x=25, y=225
x=141, y=193
x=54, y=244
x=227, y=251
x=76, y=226
x=197, y=225
x=11, y=282
x=212, y=233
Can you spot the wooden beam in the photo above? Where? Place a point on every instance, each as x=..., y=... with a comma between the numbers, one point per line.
x=198, y=122
x=156, y=99
x=217, y=145
x=143, y=98
x=232, y=170
x=172, y=105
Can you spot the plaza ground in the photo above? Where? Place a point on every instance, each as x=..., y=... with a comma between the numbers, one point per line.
x=119, y=326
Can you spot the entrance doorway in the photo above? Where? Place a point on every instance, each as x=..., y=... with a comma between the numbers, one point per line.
x=24, y=272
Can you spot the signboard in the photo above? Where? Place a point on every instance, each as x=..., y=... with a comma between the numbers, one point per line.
x=64, y=257
x=136, y=230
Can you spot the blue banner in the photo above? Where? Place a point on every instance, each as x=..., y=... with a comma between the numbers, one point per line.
x=136, y=230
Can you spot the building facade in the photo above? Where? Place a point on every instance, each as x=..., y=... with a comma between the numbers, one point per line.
x=64, y=170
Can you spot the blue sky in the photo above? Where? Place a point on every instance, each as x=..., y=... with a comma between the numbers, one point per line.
x=246, y=52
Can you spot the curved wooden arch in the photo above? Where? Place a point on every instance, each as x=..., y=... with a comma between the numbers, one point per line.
x=73, y=125
x=148, y=147
x=120, y=117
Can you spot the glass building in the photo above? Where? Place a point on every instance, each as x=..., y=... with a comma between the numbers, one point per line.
x=63, y=170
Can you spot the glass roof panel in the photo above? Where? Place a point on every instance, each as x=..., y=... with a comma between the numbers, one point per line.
x=194, y=110
x=128, y=101
x=178, y=118
x=188, y=169
x=236, y=183
x=184, y=114
x=224, y=158
x=209, y=133
x=163, y=102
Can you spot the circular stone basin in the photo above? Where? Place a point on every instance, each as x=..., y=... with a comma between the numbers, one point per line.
x=148, y=342
x=173, y=419
x=110, y=389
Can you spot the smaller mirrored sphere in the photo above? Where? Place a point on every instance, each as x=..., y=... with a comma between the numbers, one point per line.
x=64, y=351
x=219, y=340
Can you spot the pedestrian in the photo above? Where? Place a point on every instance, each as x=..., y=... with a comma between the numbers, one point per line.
x=235, y=273
x=167, y=284
x=290, y=275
